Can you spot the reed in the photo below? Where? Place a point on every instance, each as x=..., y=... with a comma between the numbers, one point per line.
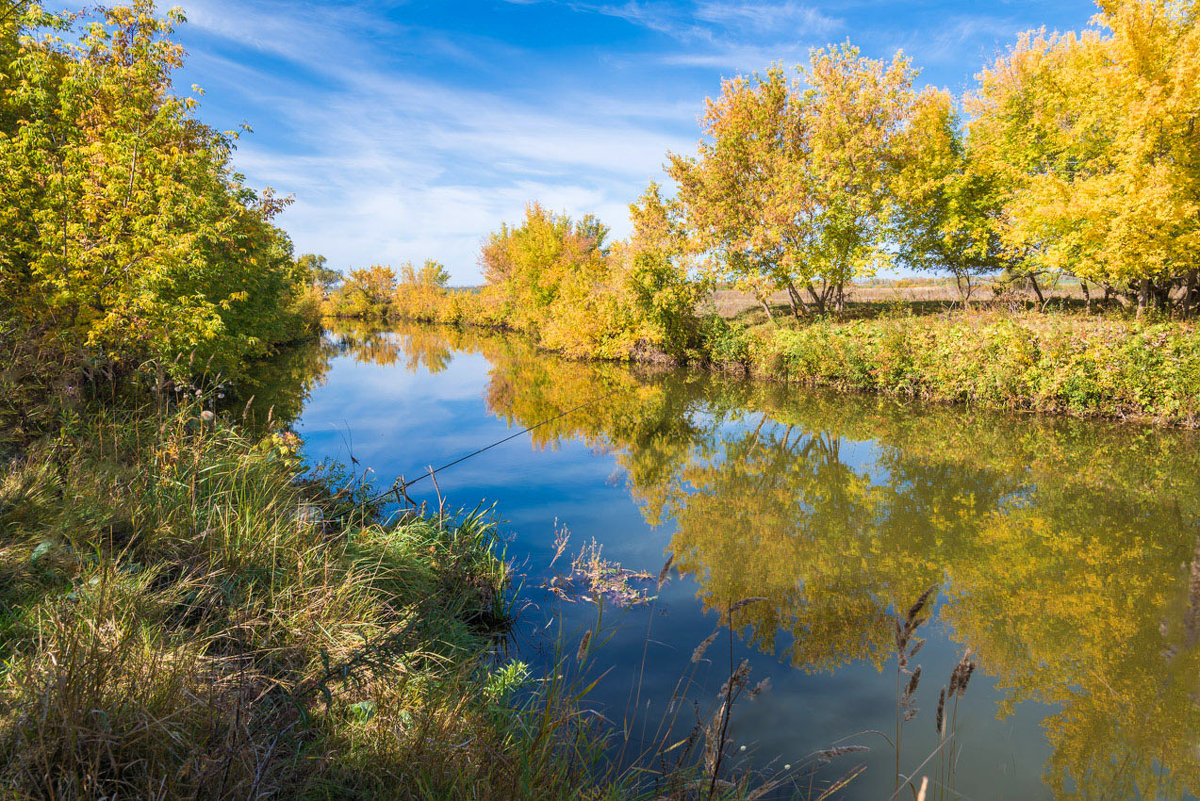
x=947, y=725
x=908, y=645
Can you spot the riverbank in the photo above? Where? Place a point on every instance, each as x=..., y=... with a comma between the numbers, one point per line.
x=187, y=610
x=1048, y=363
x=1109, y=366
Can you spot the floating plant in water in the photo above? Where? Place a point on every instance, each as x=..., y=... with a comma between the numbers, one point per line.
x=592, y=577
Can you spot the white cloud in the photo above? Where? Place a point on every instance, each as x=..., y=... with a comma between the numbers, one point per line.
x=722, y=22
x=390, y=167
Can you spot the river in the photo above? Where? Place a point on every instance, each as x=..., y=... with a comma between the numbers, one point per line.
x=1065, y=556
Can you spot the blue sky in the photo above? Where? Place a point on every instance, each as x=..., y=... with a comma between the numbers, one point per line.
x=409, y=130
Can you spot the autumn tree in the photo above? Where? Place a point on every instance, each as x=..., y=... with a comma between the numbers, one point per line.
x=655, y=272
x=789, y=189
x=122, y=222
x=946, y=207
x=560, y=279
x=1095, y=136
x=421, y=293
x=431, y=275
x=534, y=263
x=315, y=270
x=366, y=292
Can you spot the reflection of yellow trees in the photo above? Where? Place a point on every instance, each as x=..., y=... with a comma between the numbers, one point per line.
x=743, y=530
x=384, y=346
x=274, y=392
x=1059, y=543
x=1088, y=589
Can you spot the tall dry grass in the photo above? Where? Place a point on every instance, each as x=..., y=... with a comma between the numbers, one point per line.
x=185, y=612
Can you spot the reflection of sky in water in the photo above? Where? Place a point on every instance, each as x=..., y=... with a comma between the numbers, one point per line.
x=398, y=422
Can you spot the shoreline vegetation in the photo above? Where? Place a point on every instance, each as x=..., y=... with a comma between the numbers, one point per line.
x=1108, y=366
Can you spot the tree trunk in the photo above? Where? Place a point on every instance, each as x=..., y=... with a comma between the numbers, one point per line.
x=840, y=297
x=1189, y=293
x=1087, y=296
x=1143, y=296
x=1162, y=295
x=795, y=299
x=818, y=300
x=961, y=279
x=767, y=308
x=1037, y=290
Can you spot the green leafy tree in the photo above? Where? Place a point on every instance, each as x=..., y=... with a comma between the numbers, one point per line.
x=315, y=270
x=947, y=209
x=433, y=275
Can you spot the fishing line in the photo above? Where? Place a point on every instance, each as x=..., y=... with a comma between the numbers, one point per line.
x=399, y=488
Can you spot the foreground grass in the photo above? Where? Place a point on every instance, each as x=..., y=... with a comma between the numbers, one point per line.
x=184, y=613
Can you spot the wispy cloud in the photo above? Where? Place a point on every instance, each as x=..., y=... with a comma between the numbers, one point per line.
x=387, y=167
x=410, y=130
x=712, y=20
x=739, y=35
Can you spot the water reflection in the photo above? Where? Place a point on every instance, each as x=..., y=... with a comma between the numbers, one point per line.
x=275, y=392
x=1067, y=552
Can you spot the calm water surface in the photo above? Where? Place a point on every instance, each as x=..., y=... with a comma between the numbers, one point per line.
x=1065, y=554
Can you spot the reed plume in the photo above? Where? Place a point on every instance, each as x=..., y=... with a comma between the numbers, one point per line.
x=910, y=691
x=698, y=654
x=665, y=573
x=908, y=644
x=584, y=642
x=739, y=605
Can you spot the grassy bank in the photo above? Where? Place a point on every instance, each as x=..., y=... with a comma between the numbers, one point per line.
x=186, y=612
x=1057, y=363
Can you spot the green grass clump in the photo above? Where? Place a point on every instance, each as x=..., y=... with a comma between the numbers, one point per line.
x=186, y=613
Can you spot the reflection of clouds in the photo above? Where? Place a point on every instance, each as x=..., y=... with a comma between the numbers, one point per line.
x=458, y=382
x=401, y=421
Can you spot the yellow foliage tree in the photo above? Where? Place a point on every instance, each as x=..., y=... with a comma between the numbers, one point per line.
x=122, y=222
x=1096, y=140
x=790, y=187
